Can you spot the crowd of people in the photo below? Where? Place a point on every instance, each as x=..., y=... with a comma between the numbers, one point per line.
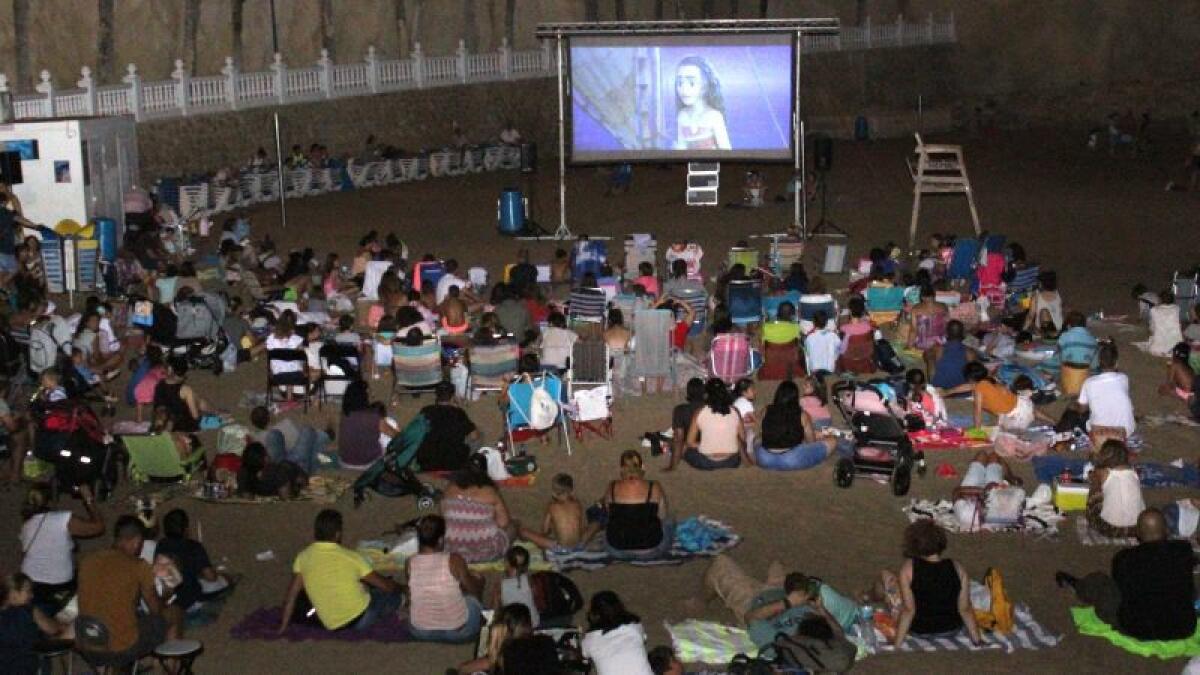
x=314, y=320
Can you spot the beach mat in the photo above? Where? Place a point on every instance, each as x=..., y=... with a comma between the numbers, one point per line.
x=1150, y=474
x=1038, y=519
x=1027, y=633
x=719, y=538
x=263, y=624
x=1089, y=624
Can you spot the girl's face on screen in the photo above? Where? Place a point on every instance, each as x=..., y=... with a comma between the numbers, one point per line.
x=689, y=84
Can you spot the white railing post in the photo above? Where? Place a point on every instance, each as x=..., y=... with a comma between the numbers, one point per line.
x=280, y=70
x=135, y=91
x=325, y=74
x=46, y=86
x=899, y=30
x=461, y=53
x=182, y=87
x=505, y=58
x=929, y=28
x=372, y=70
x=953, y=29
x=230, y=71
x=867, y=31
x=547, y=62
x=89, y=90
x=418, y=59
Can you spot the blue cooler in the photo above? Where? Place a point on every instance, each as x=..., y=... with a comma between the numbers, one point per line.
x=511, y=217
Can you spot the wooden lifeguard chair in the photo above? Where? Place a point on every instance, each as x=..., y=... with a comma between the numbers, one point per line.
x=940, y=169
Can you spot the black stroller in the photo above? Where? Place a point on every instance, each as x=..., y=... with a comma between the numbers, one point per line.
x=881, y=446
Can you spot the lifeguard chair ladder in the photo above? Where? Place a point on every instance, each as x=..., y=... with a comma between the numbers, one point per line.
x=940, y=169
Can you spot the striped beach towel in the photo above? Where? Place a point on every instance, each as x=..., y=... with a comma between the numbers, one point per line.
x=709, y=642
x=1027, y=633
x=720, y=538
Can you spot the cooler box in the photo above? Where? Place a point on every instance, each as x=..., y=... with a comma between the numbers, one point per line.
x=1070, y=496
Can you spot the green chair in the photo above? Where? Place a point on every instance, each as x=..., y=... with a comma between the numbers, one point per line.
x=153, y=458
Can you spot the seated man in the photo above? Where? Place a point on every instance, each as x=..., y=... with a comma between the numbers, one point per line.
x=1105, y=398
x=1150, y=594
x=299, y=444
x=200, y=580
x=452, y=435
x=112, y=582
x=343, y=589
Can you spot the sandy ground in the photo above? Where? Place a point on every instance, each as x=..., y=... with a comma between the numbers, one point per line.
x=1102, y=223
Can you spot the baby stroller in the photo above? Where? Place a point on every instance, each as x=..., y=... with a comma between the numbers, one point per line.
x=393, y=474
x=69, y=436
x=198, y=334
x=882, y=447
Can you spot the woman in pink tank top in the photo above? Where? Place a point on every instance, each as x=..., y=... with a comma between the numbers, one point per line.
x=444, y=604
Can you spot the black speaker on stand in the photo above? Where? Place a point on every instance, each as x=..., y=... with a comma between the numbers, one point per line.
x=10, y=168
x=822, y=165
x=529, y=187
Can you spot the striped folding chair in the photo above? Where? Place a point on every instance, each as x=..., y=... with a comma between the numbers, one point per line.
x=698, y=301
x=729, y=357
x=1184, y=288
x=490, y=367
x=586, y=305
x=744, y=299
x=416, y=369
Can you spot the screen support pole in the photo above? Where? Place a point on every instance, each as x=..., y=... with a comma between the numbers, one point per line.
x=279, y=175
x=800, y=216
x=563, y=232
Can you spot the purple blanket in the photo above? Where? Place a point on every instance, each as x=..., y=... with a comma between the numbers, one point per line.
x=263, y=624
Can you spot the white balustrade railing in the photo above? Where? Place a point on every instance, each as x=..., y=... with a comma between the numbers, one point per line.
x=184, y=94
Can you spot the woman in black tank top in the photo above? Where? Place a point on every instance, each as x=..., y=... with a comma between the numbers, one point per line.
x=169, y=394
x=636, y=528
x=934, y=589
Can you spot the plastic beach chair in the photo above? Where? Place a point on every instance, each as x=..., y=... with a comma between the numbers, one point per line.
x=153, y=457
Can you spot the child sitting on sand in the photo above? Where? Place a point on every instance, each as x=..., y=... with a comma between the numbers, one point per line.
x=515, y=586
x=563, y=525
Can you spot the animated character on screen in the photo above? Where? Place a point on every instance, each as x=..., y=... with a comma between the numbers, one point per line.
x=700, y=118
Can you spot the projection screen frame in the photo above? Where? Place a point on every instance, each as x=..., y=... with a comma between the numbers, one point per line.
x=797, y=28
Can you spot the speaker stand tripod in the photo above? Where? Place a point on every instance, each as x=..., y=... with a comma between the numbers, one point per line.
x=529, y=187
x=825, y=227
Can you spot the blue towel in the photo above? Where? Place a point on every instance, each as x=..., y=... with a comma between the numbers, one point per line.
x=1152, y=475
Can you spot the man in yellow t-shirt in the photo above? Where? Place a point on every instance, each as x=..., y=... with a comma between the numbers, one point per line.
x=784, y=328
x=343, y=589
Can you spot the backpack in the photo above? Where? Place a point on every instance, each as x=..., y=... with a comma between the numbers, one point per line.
x=886, y=357
x=43, y=348
x=814, y=655
x=555, y=595
x=999, y=616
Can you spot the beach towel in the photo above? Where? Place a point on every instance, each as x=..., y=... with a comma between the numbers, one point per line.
x=708, y=642
x=1089, y=624
x=1027, y=633
x=689, y=543
x=388, y=562
x=263, y=624
x=1151, y=474
x=320, y=489
x=950, y=438
x=1039, y=519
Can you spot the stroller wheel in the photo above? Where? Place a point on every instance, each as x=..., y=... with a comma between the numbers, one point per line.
x=843, y=473
x=902, y=476
x=424, y=503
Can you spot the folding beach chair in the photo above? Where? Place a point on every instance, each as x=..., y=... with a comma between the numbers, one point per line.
x=340, y=365
x=639, y=248
x=884, y=304
x=652, y=346
x=731, y=358
x=427, y=273
x=744, y=299
x=416, y=369
x=698, y=301
x=489, y=367
x=964, y=260
x=588, y=257
x=989, y=279
x=153, y=458
x=1022, y=286
x=781, y=361
x=810, y=305
x=297, y=380
x=590, y=365
x=771, y=303
x=587, y=305
x=589, y=388
x=785, y=252
x=519, y=416
x=1184, y=288
x=746, y=257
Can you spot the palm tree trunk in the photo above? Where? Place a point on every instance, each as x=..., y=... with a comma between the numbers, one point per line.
x=470, y=30
x=237, y=23
x=104, y=41
x=510, y=21
x=327, y=41
x=191, y=26
x=24, y=74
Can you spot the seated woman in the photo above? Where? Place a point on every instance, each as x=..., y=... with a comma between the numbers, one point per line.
x=934, y=591
x=927, y=321
x=452, y=434
x=788, y=440
x=1180, y=376
x=48, y=542
x=1045, y=316
x=1165, y=328
x=513, y=647
x=615, y=641
x=176, y=395
x=638, y=523
x=443, y=591
x=362, y=429
x=1114, y=492
x=815, y=402
x=995, y=399
x=478, y=525
x=260, y=478
x=716, y=438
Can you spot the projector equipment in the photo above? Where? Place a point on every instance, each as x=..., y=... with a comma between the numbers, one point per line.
x=823, y=151
x=529, y=158
x=10, y=168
